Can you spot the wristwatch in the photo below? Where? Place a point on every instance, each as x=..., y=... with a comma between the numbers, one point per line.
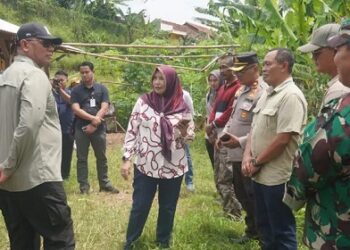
x=254, y=163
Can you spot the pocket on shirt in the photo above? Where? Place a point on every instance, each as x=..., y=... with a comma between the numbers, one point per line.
x=270, y=117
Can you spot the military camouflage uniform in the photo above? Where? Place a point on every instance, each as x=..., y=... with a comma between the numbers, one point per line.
x=223, y=178
x=321, y=178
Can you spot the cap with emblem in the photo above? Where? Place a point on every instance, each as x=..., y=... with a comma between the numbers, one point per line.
x=343, y=35
x=320, y=37
x=243, y=60
x=36, y=30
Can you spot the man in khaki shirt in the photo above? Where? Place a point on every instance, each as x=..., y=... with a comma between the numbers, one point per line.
x=32, y=198
x=279, y=118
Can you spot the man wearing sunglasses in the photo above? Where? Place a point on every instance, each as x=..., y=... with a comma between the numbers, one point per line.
x=32, y=198
x=323, y=56
x=236, y=130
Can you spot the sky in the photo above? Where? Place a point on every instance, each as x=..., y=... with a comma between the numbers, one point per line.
x=178, y=11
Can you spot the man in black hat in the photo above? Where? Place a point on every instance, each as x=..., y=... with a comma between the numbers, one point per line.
x=33, y=200
x=235, y=133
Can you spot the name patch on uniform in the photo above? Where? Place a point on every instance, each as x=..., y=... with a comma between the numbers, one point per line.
x=247, y=105
x=92, y=103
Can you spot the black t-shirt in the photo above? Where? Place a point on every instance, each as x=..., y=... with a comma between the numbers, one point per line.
x=90, y=100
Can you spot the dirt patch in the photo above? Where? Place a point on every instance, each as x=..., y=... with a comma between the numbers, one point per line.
x=114, y=139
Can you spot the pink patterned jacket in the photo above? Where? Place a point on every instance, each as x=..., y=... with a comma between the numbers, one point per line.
x=142, y=140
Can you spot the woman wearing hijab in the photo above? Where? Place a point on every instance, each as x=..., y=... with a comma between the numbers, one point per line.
x=158, y=127
x=214, y=84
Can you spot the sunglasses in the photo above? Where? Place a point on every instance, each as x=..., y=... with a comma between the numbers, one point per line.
x=318, y=52
x=45, y=43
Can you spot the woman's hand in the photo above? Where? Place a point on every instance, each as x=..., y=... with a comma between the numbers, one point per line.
x=182, y=125
x=125, y=169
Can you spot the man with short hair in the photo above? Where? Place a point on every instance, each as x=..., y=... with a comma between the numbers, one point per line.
x=323, y=56
x=235, y=133
x=279, y=118
x=321, y=176
x=66, y=116
x=217, y=120
x=33, y=200
x=90, y=103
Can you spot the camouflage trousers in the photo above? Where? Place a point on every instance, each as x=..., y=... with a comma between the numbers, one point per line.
x=223, y=178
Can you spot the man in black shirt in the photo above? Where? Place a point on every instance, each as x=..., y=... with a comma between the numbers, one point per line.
x=90, y=102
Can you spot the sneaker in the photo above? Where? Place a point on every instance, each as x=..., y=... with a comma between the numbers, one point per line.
x=109, y=189
x=190, y=187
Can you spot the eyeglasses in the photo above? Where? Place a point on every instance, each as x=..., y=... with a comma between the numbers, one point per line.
x=45, y=43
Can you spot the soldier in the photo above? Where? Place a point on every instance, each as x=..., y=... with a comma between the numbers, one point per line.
x=323, y=56
x=236, y=130
x=279, y=118
x=322, y=177
x=217, y=120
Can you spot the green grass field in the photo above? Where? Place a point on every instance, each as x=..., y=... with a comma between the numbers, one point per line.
x=100, y=219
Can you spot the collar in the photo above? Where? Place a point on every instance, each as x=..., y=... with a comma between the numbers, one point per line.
x=333, y=80
x=271, y=90
x=231, y=84
x=23, y=58
x=92, y=86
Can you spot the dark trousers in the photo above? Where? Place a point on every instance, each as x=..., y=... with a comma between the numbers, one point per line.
x=210, y=150
x=244, y=193
x=98, y=143
x=42, y=210
x=145, y=188
x=275, y=221
x=189, y=174
x=67, y=151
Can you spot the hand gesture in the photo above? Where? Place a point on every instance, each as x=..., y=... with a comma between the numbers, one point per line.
x=3, y=177
x=125, y=169
x=96, y=121
x=89, y=129
x=208, y=129
x=232, y=142
x=218, y=144
x=182, y=125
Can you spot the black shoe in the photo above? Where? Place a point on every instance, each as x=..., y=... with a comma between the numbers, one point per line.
x=244, y=239
x=163, y=245
x=84, y=190
x=109, y=189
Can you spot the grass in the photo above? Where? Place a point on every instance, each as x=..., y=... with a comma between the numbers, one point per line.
x=100, y=219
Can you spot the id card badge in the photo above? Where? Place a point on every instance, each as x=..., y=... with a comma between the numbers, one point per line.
x=92, y=103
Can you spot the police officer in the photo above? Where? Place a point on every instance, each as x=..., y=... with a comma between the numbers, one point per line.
x=236, y=130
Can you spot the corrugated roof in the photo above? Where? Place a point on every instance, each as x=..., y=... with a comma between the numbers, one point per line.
x=8, y=27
